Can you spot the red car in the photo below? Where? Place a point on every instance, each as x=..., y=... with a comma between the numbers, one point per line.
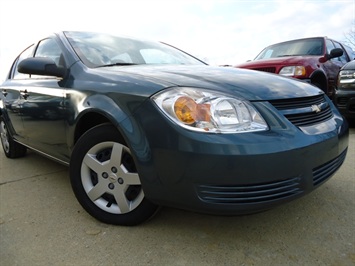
x=315, y=60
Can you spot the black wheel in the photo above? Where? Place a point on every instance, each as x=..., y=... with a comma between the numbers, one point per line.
x=11, y=148
x=105, y=181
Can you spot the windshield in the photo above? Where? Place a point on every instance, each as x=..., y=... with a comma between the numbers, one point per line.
x=293, y=48
x=98, y=50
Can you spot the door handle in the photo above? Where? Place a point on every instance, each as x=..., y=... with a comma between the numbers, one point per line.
x=24, y=94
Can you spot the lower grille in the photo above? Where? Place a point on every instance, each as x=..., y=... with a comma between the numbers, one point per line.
x=325, y=171
x=241, y=194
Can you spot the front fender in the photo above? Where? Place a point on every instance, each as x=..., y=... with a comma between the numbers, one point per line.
x=98, y=109
x=104, y=105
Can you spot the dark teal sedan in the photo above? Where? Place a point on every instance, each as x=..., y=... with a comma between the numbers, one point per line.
x=142, y=124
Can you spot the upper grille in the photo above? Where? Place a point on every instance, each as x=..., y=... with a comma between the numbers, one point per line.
x=297, y=102
x=266, y=69
x=241, y=194
x=342, y=101
x=304, y=111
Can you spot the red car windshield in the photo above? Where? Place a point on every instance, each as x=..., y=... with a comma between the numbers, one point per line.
x=293, y=48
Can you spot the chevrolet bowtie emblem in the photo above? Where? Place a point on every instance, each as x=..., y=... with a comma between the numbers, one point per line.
x=316, y=108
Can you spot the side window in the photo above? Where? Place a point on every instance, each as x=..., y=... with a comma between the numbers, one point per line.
x=50, y=48
x=330, y=46
x=350, y=52
x=344, y=58
x=25, y=54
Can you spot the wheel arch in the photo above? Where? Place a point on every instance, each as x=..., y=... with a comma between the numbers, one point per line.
x=96, y=109
x=129, y=131
x=87, y=121
x=319, y=79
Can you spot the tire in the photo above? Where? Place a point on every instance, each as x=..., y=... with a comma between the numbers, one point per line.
x=11, y=148
x=105, y=181
x=319, y=85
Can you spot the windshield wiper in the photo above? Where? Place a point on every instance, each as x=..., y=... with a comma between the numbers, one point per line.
x=284, y=55
x=117, y=64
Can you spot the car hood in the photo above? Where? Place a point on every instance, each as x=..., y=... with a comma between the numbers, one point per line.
x=286, y=60
x=248, y=84
x=349, y=66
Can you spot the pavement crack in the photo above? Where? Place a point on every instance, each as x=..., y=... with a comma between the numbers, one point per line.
x=30, y=177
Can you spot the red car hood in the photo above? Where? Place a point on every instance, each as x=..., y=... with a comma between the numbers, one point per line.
x=290, y=60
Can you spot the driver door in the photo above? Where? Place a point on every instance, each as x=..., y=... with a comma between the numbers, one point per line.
x=43, y=108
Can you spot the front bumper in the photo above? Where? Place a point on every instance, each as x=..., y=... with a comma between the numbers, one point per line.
x=345, y=102
x=234, y=173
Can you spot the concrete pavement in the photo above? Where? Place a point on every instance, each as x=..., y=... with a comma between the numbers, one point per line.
x=41, y=223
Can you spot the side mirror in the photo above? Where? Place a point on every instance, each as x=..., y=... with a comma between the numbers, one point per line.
x=336, y=52
x=40, y=66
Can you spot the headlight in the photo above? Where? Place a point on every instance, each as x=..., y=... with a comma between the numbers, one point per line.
x=346, y=77
x=208, y=111
x=293, y=71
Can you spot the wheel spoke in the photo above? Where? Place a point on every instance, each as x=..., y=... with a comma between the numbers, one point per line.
x=131, y=179
x=91, y=162
x=116, y=158
x=116, y=154
x=97, y=191
x=121, y=200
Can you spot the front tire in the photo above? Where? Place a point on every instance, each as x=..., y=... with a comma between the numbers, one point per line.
x=11, y=148
x=105, y=181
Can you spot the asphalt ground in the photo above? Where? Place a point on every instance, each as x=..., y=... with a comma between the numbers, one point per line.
x=41, y=223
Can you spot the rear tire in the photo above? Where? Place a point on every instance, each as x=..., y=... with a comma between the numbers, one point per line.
x=105, y=180
x=11, y=148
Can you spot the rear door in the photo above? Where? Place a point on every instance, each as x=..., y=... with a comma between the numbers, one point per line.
x=11, y=91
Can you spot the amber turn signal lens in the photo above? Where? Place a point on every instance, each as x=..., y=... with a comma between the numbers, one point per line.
x=184, y=107
x=189, y=112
